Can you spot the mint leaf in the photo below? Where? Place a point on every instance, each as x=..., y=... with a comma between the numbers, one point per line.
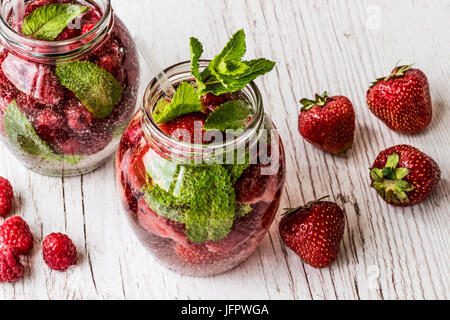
x=232, y=68
x=206, y=202
x=162, y=171
x=230, y=115
x=227, y=73
x=154, y=201
x=211, y=213
x=196, y=52
x=233, y=51
x=184, y=101
x=48, y=21
x=219, y=81
x=96, y=88
x=236, y=170
x=21, y=134
x=237, y=81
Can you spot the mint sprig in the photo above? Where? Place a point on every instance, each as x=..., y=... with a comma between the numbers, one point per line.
x=227, y=73
x=96, y=88
x=48, y=21
x=22, y=135
x=184, y=101
x=228, y=116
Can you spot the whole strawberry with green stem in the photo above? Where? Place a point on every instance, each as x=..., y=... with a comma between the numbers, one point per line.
x=404, y=176
x=314, y=232
x=328, y=123
x=402, y=100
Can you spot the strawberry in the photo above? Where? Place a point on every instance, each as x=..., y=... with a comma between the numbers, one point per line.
x=6, y=197
x=186, y=128
x=404, y=176
x=11, y=269
x=59, y=252
x=328, y=123
x=402, y=100
x=15, y=232
x=197, y=255
x=314, y=232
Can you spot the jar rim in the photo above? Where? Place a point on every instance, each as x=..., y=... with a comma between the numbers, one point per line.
x=61, y=49
x=152, y=129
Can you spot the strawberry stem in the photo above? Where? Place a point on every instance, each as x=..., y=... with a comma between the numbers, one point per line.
x=290, y=211
x=398, y=72
x=389, y=181
x=320, y=100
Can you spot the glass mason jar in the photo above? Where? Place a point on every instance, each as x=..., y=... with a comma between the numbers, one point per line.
x=148, y=156
x=43, y=123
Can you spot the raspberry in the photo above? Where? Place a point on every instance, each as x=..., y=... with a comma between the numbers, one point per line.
x=109, y=63
x=87, y=27
x=10, y=267
x=59, y=252
x=79, y=118
x=16, y=233
x=69, y=33
x=49, y=125
x=6, y=197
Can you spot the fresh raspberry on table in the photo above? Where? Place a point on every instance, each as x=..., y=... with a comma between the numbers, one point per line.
x=59, y=252
x=11, y=269
x=15, y=232
x=6, y=197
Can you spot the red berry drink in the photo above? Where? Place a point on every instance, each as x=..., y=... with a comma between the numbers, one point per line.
x=201, y=173
x=69, y=75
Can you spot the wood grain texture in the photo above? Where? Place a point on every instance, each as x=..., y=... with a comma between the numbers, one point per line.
x=339, y=46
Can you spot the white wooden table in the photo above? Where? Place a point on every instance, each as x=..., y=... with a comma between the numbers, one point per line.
x=339, y=46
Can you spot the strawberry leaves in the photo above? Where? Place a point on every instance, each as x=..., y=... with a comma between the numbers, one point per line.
x=389, y=182
x=320, y=100
x=398, y=72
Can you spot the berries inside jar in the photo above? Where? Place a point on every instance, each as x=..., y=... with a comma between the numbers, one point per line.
x=65, y=116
